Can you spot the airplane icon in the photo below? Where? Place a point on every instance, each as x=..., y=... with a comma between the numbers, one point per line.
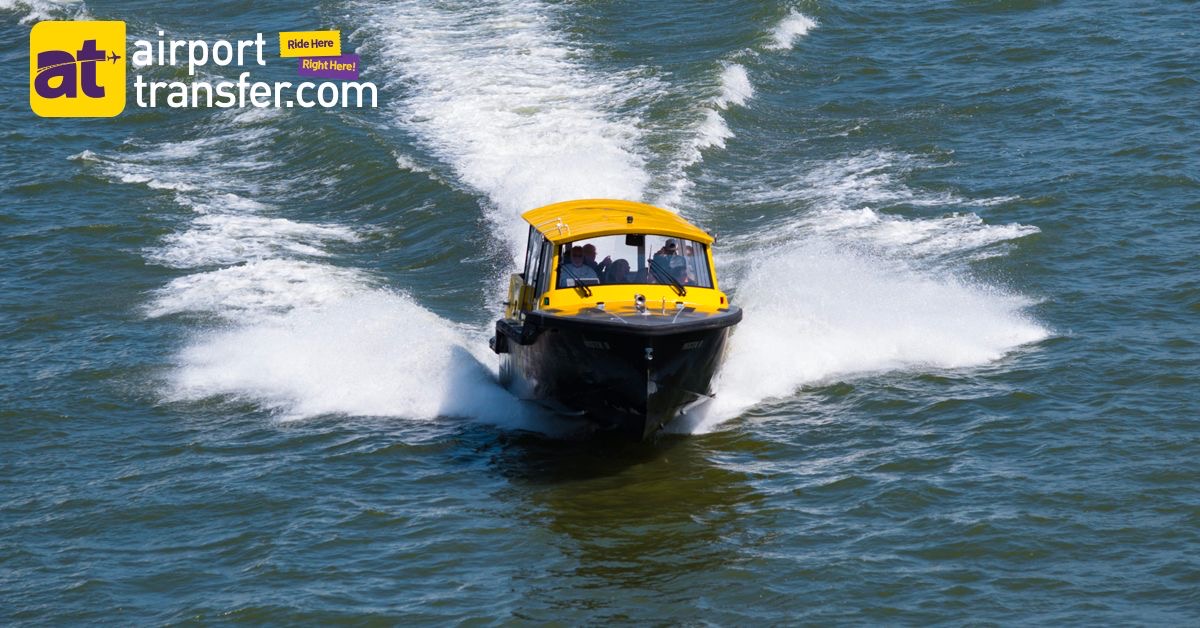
x=113, y=57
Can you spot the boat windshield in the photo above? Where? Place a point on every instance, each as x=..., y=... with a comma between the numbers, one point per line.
x=634, y=259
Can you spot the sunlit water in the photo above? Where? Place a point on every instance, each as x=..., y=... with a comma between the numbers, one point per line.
x=245, y=373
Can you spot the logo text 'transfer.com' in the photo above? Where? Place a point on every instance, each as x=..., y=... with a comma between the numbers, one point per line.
x=77, y=69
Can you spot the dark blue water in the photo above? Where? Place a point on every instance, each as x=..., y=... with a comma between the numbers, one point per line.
x=245, y=375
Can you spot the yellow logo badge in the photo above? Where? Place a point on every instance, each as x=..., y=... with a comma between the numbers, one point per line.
x=77, y=69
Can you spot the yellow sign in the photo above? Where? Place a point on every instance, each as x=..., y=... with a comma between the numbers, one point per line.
x=310, y=44
x=77, y=69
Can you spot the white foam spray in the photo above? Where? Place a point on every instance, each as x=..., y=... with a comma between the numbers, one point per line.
x=735, y=86
x=816, y=312
x=294, y=332
x=246, y=262
x=711, y=132
x=224, y=239
x=500, y=96
x=371, y=353
x=843, y=200
x=256, y=290
x=938, y=236
x=735, y=89
x=837, y=289
x=791, y=28
x=503, y=100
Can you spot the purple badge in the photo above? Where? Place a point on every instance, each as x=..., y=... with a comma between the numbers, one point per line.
x=344, y=67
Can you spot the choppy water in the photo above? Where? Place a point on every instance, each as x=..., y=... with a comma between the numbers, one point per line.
x=245, y=375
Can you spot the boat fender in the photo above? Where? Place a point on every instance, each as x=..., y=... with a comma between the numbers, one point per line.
x=529, y=333
x=523, y=334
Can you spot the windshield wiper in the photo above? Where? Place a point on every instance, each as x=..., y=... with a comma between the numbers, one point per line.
x=666, y=275
x=581, y=287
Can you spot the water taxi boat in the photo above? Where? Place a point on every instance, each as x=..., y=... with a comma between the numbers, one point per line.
x=617, y=316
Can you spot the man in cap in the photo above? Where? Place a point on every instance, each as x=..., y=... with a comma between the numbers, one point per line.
x=667, y=258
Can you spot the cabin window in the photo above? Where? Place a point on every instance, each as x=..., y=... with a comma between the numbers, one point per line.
x=538, y=255
x=545, y=263
x=533, y=256
x=635, y=259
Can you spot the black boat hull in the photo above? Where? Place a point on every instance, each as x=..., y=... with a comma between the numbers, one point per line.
x=631, y=379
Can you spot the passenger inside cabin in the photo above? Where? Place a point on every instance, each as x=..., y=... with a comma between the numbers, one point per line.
x=668, y=249
x=589, y=258
x=618, y=272
x=569, y=273
x=668, y=260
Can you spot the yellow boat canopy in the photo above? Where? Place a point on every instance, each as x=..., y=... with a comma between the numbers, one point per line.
x=577, y=220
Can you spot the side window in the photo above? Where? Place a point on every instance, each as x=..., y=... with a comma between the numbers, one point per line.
x=696, y=255
x=547, y=257
x=533, y=256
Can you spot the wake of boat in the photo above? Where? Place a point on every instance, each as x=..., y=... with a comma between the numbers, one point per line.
x=816, y=312
x=735, y=89
x=276, y=322
x=844, y=200
x=495, y=93
x=792, y=27
x=372, y=353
